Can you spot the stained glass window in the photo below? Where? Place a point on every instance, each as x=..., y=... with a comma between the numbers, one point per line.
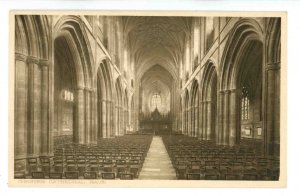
x=156, y=101
x=245, y=104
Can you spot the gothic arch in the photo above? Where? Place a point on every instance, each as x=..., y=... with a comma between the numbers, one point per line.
x=273, y=42
x=71, y=28
x=243, y=34
x=32, y=36
x=105, y=102
x=208, y=101
x=241, y=60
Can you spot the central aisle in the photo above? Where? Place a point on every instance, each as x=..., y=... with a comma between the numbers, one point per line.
x=157, y=164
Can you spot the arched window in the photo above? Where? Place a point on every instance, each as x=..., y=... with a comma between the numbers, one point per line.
x=67, y=96
x=245, y=104
x=156, y=101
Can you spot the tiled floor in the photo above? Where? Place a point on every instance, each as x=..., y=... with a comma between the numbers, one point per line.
x=157, y=164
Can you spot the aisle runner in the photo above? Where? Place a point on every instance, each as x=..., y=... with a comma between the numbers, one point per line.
x=157, y=164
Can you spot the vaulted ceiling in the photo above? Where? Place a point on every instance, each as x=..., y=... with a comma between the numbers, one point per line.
x=156, y=40
x=156, y=81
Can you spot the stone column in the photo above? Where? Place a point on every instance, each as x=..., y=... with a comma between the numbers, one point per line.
x=79, y=135
x=124, y=121
x=188, y=121
x=108, y=117
x=271, y=111
x=120, y=119
x=204, y=117
x=112, y=126
x=104, y=119
x=94, y=135
x=196, y=121
x=192, y=121
x=208, y=124
x=233, y=117
x=182, y=121
x=20, y=132
x=87, y=94
x=226, y=118
x=34, y=107
x=201, y=120
x=45, y=132
x=116, y=120
x=220, y=118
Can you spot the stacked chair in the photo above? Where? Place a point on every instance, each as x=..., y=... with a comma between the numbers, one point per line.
x=194, y=159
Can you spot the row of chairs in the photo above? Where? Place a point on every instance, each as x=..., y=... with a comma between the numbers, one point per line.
x=75, y=175
x=204, y=160
x=113, y=158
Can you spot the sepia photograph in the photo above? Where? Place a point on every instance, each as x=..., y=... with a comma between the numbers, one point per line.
x=166, y=99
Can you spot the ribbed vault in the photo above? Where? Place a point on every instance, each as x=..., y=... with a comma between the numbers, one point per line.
x=156, y=40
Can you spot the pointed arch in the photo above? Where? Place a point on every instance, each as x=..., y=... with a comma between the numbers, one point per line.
x=243, y=34
x=273, y=42
x=241, y=67
x=104, y=101
x=208, y=101
x=72, y=29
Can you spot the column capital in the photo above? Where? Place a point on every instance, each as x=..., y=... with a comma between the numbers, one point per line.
x=32, y=59
x=88, y=89
x=79, y=88
x=272, y=66
x=236, y=91
x=44, y=63
x=221, y=92
x=227, y=91
x=21, y=57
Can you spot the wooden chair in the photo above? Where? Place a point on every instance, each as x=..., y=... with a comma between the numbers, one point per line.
x=32, y=165
x=126, y=176
x=108, y=176
x=71, y=167
x=90, y=175
x=46, y=164
x=71, y=175
x=19, y=175
x=38, y=175
x=232, y=177
x=193, y=176
x=134, y=169
x=55, y=175
x=181, y=171
x=212, y=177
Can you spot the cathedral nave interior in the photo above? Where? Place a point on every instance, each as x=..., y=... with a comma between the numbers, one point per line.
x=108, y=97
